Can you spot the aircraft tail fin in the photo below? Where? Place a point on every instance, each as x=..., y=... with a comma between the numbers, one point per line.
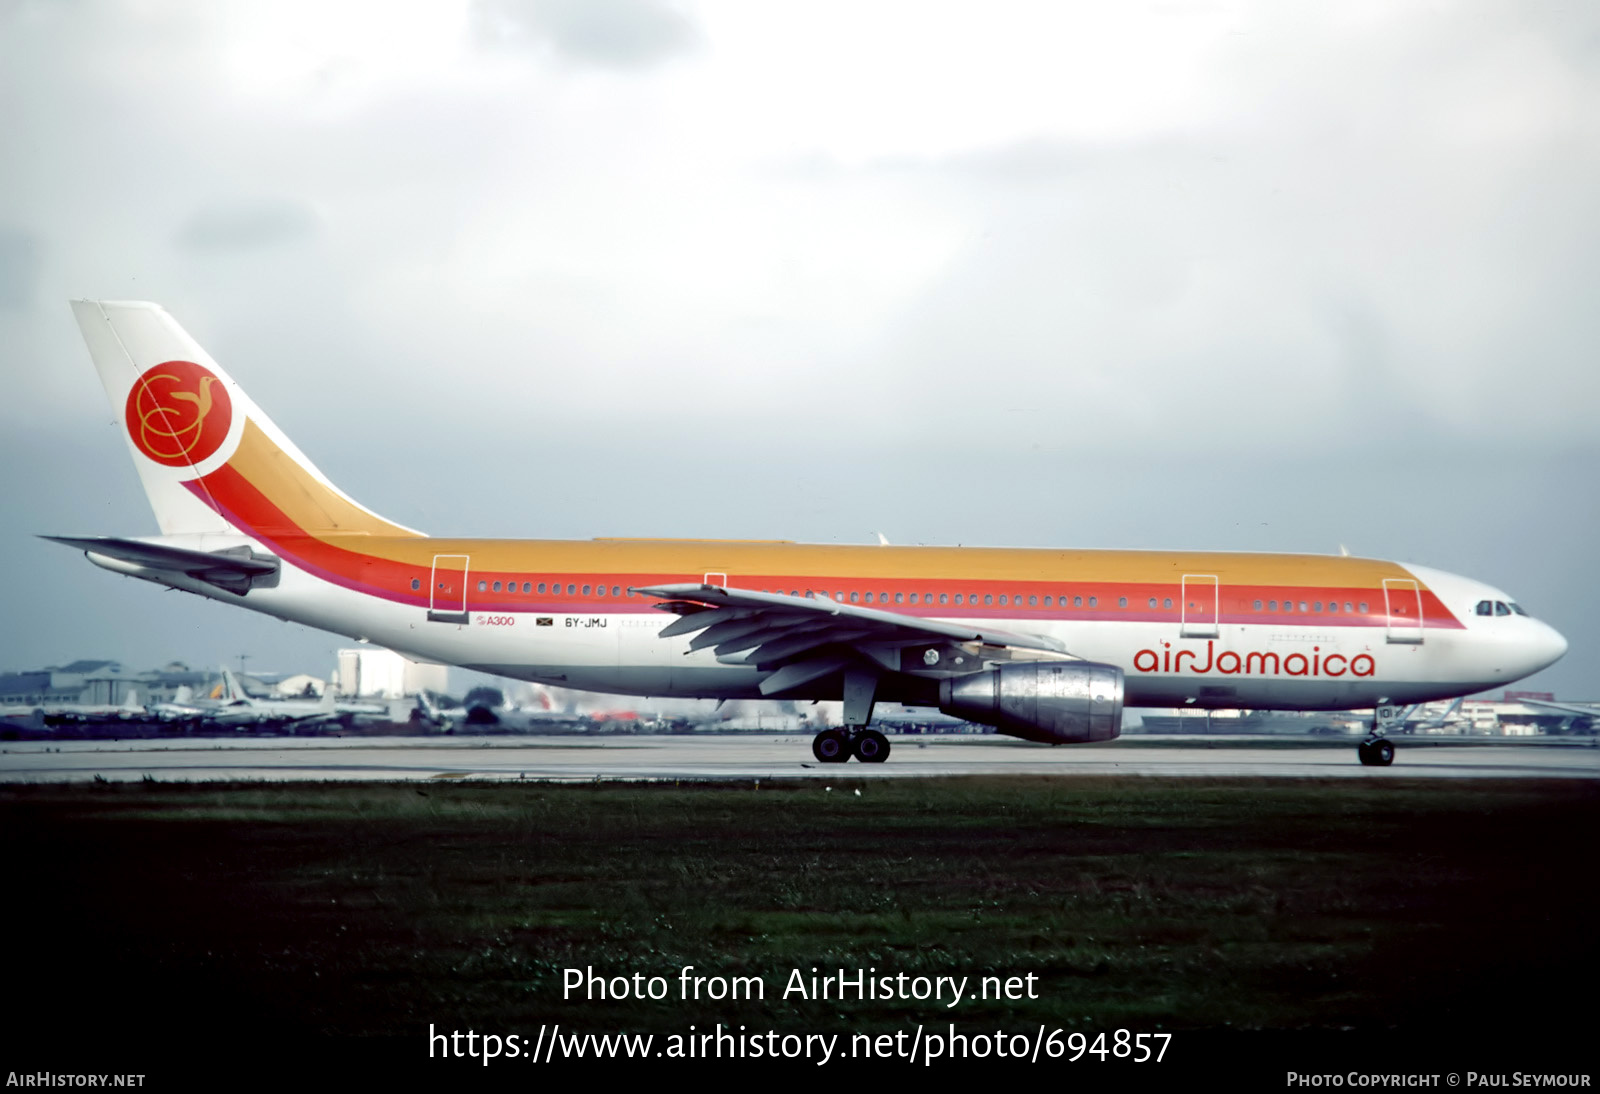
x=209, y=459
x=232, y=692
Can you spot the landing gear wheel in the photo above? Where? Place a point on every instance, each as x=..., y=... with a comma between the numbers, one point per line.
x=830, y=747
x=1376, y=753
x=871, y=747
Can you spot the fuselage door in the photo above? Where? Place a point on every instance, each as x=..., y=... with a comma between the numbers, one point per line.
x=1403, y=608
x=1199, y=606
x=447, y=597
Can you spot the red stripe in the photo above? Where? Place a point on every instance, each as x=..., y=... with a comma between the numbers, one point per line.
x=246, y=508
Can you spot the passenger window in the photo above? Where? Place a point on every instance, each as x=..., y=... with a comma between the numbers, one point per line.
x=867, y=599
x=1288, y=605
x=1077, y=602
x=599, y=590
x=1258, y=605
x=1002, y=598
x=541, y=586
x=527, y=586
x=944, y=598
x=1152, y=603
x=1316, y=606
x=483, y=586
x=571, y=589
x=1333, y=605
x=1033, y=601
x=1272, y=605
x=855, y=597
x=415, y=584
x=988, y=598
x=1167, y=603
x=1485, y=607
x=1349, y=607
x=913, y=598
x=496, y=586
x=958, y=598
x=1094, y=601
x=899, y=598
x=1122, y=602
x=615, y=589
x=1363, y=607
x=586, y=590
x=1302, y=605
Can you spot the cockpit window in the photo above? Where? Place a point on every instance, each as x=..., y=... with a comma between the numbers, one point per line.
x=1500, y=608
x=1485, y=607
x=1517, y=608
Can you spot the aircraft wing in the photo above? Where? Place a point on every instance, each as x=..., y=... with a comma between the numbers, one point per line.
x=802, y=638
x=1435, y=721
x=1591, y=710
x=236, y=569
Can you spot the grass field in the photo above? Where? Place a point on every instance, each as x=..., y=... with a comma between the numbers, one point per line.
x=359, y=914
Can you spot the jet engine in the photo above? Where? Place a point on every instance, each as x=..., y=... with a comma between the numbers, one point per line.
x=1054, y=702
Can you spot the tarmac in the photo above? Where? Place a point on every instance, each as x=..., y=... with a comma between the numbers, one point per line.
x=763, y=756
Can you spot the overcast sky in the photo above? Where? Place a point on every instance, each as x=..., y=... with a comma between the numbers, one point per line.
x=1254, y=276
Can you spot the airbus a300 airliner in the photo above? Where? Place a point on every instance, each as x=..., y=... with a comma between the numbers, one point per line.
x=1046, y=645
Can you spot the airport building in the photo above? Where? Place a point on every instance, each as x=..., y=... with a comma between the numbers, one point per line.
x=375, y=673
x=100, y=683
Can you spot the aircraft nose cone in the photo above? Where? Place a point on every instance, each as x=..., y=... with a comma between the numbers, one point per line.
x=1550, y=645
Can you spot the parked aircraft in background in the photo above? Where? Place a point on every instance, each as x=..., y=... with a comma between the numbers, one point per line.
x=58, y=714
x=1046, y=645
x=328, y=707
x=505, y=716
x=1578, y=713
x=231, y=707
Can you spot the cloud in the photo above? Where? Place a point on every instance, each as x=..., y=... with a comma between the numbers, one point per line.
x=19, y=269
x=247, y=226
x=617, y=34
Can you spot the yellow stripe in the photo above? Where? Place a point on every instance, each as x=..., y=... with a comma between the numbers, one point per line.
x=334, y=519
x=304, y=499
x=828, y=563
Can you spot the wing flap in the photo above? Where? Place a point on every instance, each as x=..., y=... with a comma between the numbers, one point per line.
x=798, y=640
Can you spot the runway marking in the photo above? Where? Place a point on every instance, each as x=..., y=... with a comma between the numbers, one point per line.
x=734, y=757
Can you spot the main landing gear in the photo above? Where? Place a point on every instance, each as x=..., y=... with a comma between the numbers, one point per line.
x=1377, y=750
x=836, y=746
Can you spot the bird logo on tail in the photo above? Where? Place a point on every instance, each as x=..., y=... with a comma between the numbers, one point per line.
x=178, y=413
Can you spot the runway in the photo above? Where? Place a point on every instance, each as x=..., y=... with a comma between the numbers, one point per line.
x=759, y=756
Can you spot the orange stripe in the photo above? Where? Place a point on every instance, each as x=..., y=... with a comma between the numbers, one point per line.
x=266, y=493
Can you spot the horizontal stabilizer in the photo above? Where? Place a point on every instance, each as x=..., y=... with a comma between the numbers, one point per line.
x=236, y=570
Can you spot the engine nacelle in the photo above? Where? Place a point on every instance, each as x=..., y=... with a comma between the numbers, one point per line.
x=1055, y=702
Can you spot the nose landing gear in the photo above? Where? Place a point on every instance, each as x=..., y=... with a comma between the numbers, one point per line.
x=1377, y=750
x=1376, y=753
